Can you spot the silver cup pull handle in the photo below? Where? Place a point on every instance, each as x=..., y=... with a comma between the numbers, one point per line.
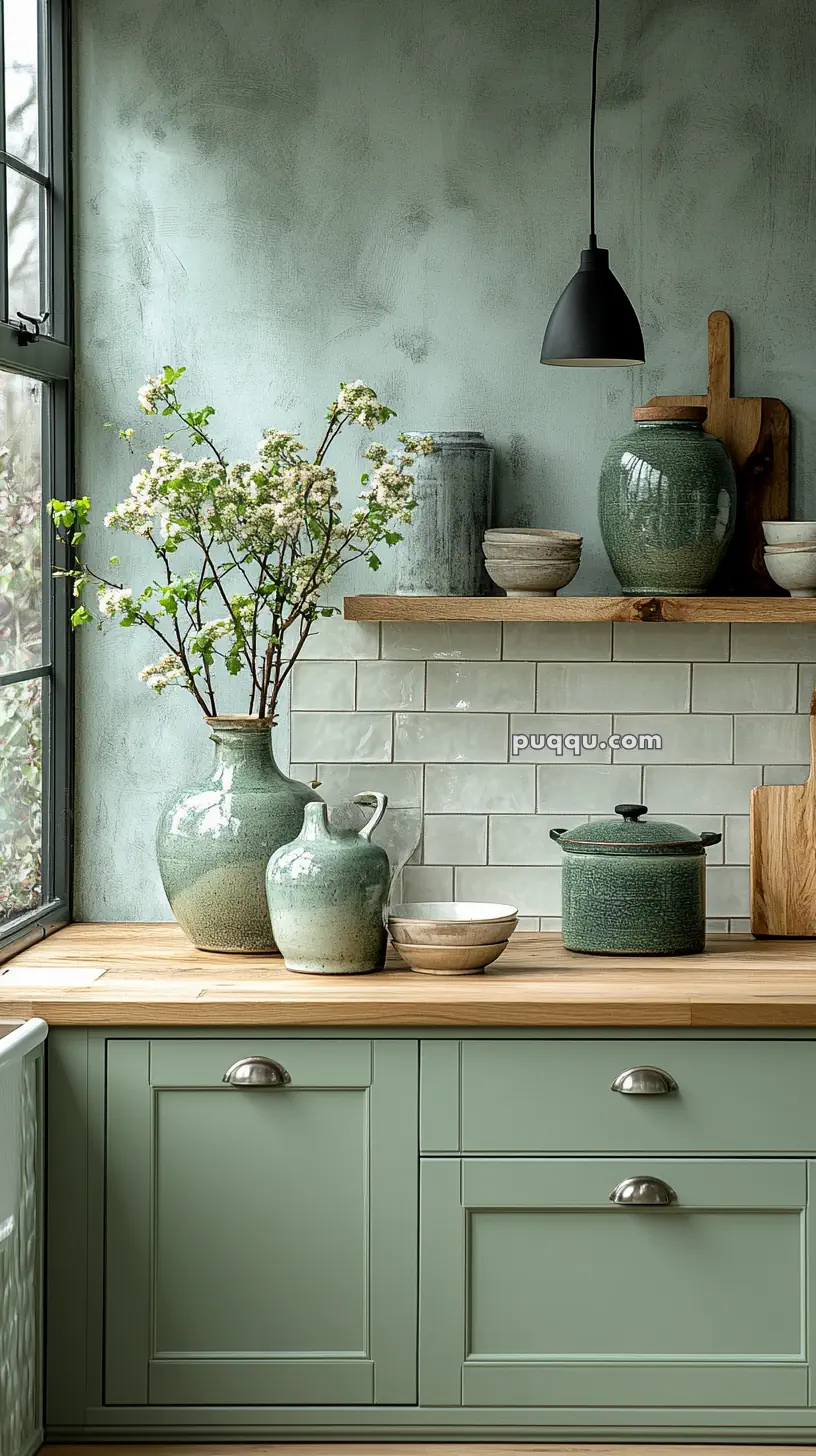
x=256, y=1072
x=644, y=1082
x=643, y=1193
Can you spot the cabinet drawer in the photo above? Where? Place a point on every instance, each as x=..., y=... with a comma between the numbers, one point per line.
x=537, y=1290
x=555, y=1096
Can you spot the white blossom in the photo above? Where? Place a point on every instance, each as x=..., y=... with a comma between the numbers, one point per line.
x=113, y=599
x=151, y=393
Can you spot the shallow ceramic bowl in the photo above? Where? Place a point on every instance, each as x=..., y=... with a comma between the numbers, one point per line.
x=454, y=922
x=786, y=533
x=521, y=551
x=532, y=535
x=794, y=571
x=450, y=960
x=531, y=578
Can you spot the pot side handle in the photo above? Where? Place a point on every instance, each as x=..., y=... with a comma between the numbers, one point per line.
x=708, y=838
x=556, y=834
x=380, y=802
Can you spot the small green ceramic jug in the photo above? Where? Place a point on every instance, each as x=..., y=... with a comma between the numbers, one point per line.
x=327, y=893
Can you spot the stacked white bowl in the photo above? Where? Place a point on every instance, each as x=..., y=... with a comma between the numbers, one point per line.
x=451, y=937
x=790, y=555
x=527, y=561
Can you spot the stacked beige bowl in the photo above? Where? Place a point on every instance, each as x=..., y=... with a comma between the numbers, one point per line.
x=526, y=561
x=790, y=555
x=451, y=938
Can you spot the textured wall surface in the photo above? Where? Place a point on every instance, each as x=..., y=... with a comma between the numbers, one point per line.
x=287, y=194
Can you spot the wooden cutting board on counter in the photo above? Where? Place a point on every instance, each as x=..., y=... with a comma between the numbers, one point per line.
x=783, y=853
x=756, y=433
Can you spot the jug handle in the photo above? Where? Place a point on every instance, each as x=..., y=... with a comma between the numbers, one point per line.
x=380, y=802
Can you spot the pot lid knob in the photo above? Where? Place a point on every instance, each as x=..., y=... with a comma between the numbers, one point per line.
x=631, y=812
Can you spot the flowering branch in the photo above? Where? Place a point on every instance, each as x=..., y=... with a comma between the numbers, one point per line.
x=271, y=526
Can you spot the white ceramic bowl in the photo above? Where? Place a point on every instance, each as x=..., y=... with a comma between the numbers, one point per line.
x=531, y=578
x=794, y=571
x=522, y=551
x=788, y=533
x=532, y=535
x=451, y=923
x=450, y=960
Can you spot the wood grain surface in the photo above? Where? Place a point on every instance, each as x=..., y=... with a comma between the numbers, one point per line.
x=150, y=975
x=783, y=853
x=783, y=609
x=756, y=433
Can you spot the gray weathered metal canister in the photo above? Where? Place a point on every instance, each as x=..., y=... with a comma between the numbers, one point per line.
x=441, y=552
x=633, y=887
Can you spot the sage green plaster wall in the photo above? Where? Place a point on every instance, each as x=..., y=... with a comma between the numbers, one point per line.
x=287, y=194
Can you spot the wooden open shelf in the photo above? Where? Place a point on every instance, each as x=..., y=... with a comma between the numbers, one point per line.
x=580, y=609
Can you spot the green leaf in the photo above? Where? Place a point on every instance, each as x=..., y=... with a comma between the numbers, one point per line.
x=80, y=616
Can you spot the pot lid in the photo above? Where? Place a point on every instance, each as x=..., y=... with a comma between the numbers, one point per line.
x=633, y=835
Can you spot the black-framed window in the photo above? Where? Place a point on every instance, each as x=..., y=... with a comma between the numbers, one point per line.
x=36, y=366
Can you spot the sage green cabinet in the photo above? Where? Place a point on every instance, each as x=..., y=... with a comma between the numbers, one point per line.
x=536, y=1290
x=260, y=1242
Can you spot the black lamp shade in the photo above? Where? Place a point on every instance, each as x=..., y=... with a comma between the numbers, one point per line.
x=593, y=322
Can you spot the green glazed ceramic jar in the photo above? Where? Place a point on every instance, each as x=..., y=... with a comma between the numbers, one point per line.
x=667, y=503
x=215, y=837
x=633, y=887
x=327, y=893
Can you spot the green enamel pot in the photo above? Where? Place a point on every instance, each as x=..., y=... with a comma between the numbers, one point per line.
x=633, y=886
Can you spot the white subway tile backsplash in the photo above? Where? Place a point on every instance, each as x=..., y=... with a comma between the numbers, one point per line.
x=533, y=891
x=494, y=687
x=784, y=773
x=386, y=686
x=807, y=685
x=717, y=927
x=401, y=782
x=736, y=687
x=670, y=642
x=444, y=698
x=450, y=737
x=507, y=788
x=342, y=737
x=586, y=788
x=727, y=890
x=739, y=926
x=455, y=839
x=685, y=737
x=318, y=685
x=528, y=922
x=335, y=637
x=427, y=882
x=706, y=789
x=460, y=641
x=737, y=839
x=771, y=738
x=771, y=642
x=524, y=839
x=557, y=641
x=540, y=726
x=613, y=687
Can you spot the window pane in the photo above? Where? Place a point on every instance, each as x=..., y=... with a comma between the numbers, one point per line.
x=20, y=799
x=22, y=112
x=20, y=522
x=23, y=204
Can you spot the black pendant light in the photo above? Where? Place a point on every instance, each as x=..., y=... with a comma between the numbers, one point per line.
x=593, y=322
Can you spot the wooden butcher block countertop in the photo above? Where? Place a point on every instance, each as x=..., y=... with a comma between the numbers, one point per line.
x=150, y=975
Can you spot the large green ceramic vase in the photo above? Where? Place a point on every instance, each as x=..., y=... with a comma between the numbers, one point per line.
x=215, y=837
x=327, y=894
x=667, y=503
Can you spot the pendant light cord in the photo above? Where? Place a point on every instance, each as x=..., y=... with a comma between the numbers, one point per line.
x=593, y=241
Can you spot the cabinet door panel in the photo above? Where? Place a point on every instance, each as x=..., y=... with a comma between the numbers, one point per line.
x=563, y=1298
x=261, y=1243
x=555, y=1097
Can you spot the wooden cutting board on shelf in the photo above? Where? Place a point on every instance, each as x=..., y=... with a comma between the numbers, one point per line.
x=756, y=433
x=783, y=853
